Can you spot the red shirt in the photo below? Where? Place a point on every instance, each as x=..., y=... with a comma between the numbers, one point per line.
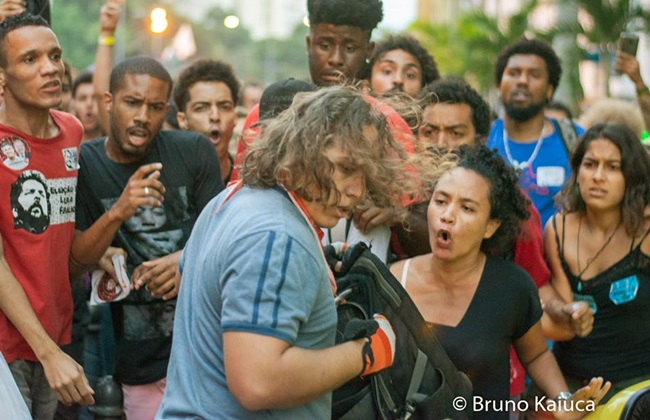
x=399, y=128
x=37, y=214
x=529, y=255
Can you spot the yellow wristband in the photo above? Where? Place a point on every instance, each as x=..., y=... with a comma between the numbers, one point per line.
x=642, y=91
x=106, y=40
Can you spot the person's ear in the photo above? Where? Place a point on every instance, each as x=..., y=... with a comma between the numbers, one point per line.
x=182, y=121
x=549, y=93
x=492, y=226
x=369, y=49
x=108, y=101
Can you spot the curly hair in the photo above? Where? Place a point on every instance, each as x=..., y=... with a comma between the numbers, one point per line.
x=364, y=14
x=411, y=46
x=635, y=165
x=14, y=22
x=291, y=149
x=507, y=203
x=614, y=111
x=138, y=65
x=530, y=47
x=205, y=70
x=457, y=91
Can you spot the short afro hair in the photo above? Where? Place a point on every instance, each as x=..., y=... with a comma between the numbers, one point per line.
x=205, y=70
x=138, y=65
x=411, y=46
x=364, y=14
x=530, y=47
x=453, y=90
x=14, y=22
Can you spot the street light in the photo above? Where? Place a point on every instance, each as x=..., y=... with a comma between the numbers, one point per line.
x=159, y=22
x=231, y=22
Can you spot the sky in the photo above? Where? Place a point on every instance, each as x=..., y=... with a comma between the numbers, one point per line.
x=398, y=14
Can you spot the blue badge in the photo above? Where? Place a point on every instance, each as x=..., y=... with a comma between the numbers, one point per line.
x=586, y=298
x=624, y=290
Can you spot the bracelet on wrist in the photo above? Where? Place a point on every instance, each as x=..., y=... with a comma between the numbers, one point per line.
x=563, y=396
x=642, y=91
x=110, y=40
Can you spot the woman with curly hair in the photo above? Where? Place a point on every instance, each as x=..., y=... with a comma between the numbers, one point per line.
x=598, y=248
x=468, y=295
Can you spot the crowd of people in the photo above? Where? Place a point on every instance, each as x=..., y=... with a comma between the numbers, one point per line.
x=509, y=230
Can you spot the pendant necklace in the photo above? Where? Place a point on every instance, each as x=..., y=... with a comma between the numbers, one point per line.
x=592, y=259
x=520, y=166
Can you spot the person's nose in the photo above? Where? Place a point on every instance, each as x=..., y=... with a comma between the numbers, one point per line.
x=356, y=187
x=523, y=78
x=442, y=140
x=142, y=116
x=448, y=215
x=599, y=173
x=335, y=58
x=214, y=113
x=50, y=66
x=398, y=79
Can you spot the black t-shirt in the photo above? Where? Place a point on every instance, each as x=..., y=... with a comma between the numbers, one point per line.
x=192, y=177
x=617, y=347
x=505, y=306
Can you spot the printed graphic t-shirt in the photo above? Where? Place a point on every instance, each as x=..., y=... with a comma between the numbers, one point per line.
x=38, y=178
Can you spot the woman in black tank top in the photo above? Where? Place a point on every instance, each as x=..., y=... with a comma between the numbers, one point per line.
x=598, y=248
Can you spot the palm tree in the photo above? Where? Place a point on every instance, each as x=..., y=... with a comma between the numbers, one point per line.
x=469, y=46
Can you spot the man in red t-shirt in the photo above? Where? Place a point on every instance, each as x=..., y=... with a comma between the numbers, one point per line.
x=37, y=208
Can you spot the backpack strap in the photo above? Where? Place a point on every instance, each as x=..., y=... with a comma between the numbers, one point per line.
x=413, y=397
x=568, y=134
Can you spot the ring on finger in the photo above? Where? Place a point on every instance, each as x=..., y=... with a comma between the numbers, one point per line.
x=146, y=190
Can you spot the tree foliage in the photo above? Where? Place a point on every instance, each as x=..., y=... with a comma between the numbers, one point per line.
x=469, y=46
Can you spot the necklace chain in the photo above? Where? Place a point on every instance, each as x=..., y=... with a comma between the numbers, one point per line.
x=522, y=165
x=602, y=248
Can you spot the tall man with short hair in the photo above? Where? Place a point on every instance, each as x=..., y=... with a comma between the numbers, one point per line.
x=527, y=74
x=37, y=217
x=122, y=177
x=338, y=48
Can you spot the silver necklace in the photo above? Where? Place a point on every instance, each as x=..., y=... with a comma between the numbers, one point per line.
x=515, y=163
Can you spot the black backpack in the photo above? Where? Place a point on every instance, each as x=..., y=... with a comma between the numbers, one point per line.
x=422, y=382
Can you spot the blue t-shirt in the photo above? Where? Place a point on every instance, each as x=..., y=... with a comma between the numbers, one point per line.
x=550, y=169
x=254, y=266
